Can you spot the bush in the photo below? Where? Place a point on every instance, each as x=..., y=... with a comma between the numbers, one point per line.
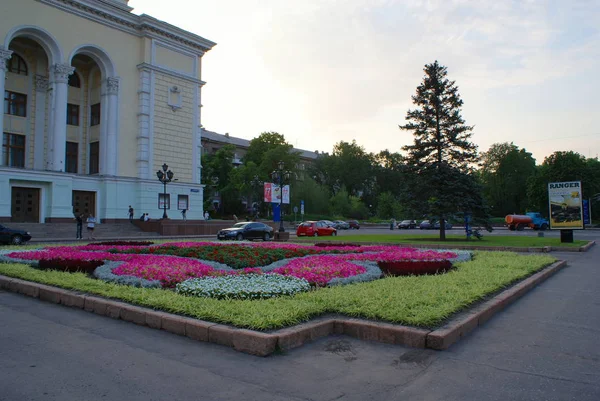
x=414, y=267
x=70, y=266
x=247, y=286
x=337, y=244
x=124, y=243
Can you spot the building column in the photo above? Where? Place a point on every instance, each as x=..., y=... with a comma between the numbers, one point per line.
x=41, y=87
x=59, y=139
x=5, y=54
x=112, y=127
x=144, y=123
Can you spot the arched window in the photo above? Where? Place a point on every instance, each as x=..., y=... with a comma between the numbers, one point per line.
x=74, y=80
x=17, y=65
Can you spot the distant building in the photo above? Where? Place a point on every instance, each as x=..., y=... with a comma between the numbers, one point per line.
x=96, y=99
x=212, y=142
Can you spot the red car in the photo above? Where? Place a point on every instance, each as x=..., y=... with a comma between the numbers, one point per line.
x=315, y=229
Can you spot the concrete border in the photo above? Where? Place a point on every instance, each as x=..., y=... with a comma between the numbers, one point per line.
x=266, y=343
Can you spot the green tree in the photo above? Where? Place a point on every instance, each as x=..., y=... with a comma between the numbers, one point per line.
x=315, y=196
x=442, y=156
x=388, y=206
x=339, y=204
x=558, y=167
x=215, y=173
x=504, y=174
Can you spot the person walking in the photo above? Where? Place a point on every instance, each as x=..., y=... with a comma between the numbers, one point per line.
x=206, y=215
x=79, y=219
x=183, y=212
x=131, y=212
x=91, y=224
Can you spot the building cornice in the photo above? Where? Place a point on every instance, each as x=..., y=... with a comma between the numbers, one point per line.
x=118, y=16
x=189, y=78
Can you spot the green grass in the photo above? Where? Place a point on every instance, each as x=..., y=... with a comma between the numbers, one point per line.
x=424, y=301
x=452, y=239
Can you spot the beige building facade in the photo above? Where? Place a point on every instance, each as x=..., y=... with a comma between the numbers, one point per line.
x=96, y=100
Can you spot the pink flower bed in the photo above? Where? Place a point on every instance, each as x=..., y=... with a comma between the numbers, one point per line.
x=320, y=269
x=170, y=270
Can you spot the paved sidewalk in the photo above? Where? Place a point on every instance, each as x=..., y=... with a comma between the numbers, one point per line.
x=543, y=347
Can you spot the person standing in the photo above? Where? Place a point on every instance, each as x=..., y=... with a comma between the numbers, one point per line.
x=79, y=219
x=131, y=212
x=183, y=212
x=91, y=224
x=206, y=215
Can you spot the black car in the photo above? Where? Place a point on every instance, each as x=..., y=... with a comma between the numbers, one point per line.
x=246, y=230
x=354, y=225
x=13, y=236
x=408, y=224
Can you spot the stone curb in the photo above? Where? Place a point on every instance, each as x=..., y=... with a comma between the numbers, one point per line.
x=264, y=344
x=460, y=326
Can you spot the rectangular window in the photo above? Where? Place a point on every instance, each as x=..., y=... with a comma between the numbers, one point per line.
x=94, y=157
x=72, y=114
x=183, y=202
x=162, y=198
x=13, y=150
x=94, y=114
x=15, y=104
x=72, y=156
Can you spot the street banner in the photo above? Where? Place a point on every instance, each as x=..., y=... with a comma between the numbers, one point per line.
x=586, y=212
x=272, y=193
x=566, y=209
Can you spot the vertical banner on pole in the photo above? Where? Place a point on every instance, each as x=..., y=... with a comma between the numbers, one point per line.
x=587, y=219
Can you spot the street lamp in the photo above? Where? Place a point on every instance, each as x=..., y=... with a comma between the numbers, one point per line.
x=281, y=177
x=165, y=175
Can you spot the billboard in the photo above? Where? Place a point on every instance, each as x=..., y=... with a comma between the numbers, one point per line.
x=566, y=211
x=271, y=193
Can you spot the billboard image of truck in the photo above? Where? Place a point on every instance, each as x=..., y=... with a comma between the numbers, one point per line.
x=566, y=211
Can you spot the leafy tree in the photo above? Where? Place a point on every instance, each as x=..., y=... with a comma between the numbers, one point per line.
x=390, y=172
x=339, y=204
x=315, y=196
x=442, y=156
x=215, y=173
x=563, y=166
x=504, y=174
x=388, y=206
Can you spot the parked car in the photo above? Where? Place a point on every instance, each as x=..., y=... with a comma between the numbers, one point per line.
x=407, y=224
x=354, y=225
x=329, y=223
x=341, y=225
x=246, y=230
x=428, y=225
x=13, y=236
x=315, y=229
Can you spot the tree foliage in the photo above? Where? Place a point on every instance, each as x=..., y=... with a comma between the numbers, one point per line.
x=442, y=156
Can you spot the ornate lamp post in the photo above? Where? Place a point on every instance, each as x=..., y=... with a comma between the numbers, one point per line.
x=281, y=177
x=165, y=175
x=255, y=183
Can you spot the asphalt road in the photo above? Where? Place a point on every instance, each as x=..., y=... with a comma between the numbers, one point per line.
x=543, y=347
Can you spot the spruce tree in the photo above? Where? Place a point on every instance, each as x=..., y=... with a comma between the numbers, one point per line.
x=442, y=157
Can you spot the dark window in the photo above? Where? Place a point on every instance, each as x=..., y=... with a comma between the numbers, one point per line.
x=74, y=80
x=72, y=114
x=17, y=65
x=72, y=156
x=183, y=202
x=13, y=150
x=94, y=157
x=15, y=104
x=95, y=114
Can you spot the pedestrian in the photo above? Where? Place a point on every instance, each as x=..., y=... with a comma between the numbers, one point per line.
x=235, y=218
x=79, y=219
x=131, y=212
x=91, y=224
x=183, y=212
x=206, y=215
x=146, y=217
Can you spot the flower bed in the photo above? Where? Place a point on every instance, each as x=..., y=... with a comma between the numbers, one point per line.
x=249, y=286
x=414, y=267
x=175, y=263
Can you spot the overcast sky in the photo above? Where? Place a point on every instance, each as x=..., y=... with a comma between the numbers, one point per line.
x=323, y=71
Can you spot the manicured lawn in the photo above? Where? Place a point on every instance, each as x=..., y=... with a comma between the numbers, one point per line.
x=423, y=301
x=452, y=239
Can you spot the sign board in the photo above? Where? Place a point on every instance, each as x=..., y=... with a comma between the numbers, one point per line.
x=272, y=195
x=566, y=209
x=194, y=190
x=295, y=209
x=302, y=207
x=586, y=212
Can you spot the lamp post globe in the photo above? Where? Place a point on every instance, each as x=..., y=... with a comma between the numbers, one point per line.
x=165, y=176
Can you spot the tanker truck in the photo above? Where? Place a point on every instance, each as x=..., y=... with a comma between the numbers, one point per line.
x=519, y=221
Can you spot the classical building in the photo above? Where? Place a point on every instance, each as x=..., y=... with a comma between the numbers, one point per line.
x=211, y=142
x=96, y=100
